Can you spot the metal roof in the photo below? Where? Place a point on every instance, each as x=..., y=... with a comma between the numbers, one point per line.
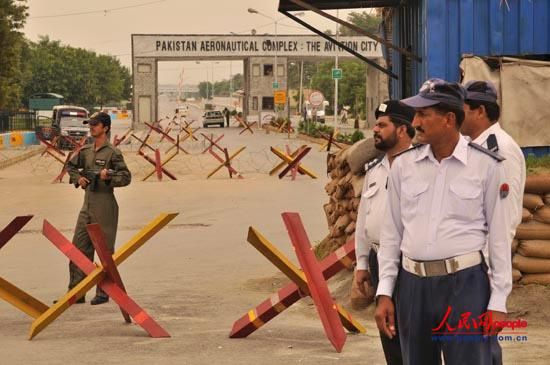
x=287, y=5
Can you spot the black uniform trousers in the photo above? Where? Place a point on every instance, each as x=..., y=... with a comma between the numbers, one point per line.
x=422, y=306
x=391, y=347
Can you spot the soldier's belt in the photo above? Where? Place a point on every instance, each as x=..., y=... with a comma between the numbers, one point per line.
x=441, y=267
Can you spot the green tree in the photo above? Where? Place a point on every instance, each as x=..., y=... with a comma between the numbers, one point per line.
x=205, y=89
x=12, y=18
x=81, y=76
x=363, y=20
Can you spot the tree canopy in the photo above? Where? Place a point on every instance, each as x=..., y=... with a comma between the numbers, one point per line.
x=12, y=19
x=81, y=76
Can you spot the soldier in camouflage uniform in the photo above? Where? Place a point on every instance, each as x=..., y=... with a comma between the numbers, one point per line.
x=98, y=168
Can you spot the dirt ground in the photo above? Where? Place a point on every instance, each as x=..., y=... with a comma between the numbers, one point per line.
x=198, y=275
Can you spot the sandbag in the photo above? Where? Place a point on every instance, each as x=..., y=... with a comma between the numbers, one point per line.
x=534, y=248
x=342, y=222
x=543, y=279
x=531, y=265
x=516, y=275
x=331, y=187
x=340, y=191
x=525, y=215
x=546, y=199
x=360, y=153
x=350, y=228
x=533, y=231
x=537, y=184
x=515, y=244
x=532, y=201
x=542, y=214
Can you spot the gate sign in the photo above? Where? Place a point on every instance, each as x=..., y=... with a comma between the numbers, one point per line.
x=239, y=46
x=316, y=98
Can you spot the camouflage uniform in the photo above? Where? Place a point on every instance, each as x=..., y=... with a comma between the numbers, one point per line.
x=99, y=206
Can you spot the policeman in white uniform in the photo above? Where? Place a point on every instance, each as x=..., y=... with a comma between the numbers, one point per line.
x=481, y=125
x=446, y=200
x=392, y=134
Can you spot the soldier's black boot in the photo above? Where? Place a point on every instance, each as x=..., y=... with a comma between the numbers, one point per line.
x=99, y=299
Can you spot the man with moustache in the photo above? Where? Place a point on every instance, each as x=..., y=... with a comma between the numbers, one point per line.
x=481, y=125
x=392, y=134
x=446, y=201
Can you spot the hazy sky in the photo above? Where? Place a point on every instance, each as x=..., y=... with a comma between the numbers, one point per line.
x=99, y=26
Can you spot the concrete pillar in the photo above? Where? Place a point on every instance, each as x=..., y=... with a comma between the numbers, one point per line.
x=145, y=91
x=376, y=91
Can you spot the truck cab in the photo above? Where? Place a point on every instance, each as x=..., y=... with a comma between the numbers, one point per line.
x=316, y=114
x=67, y=121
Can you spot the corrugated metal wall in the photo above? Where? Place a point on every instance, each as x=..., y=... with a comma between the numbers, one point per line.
x=443, y=30
x=407, y=33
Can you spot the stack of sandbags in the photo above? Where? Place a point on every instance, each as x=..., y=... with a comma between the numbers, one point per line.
x=531, y=248
x=346, y=170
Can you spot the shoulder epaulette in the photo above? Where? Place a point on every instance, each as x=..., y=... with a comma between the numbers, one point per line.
x=494, y=155
x=414, y=147
x=492, y=143
x=372, y=163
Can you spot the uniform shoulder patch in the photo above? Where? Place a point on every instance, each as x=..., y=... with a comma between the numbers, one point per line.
x=372, y=163
x=492, y=143
x=414, y=147
x=484, y=150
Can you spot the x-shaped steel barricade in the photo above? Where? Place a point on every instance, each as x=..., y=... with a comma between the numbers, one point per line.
x=105, y=275
x=159, y=165
x=226, y=161
x=77, y=146
x=285, y=127
x=292, y=161
x=117, y=141
x=213, y=142
x=340, y=259
x=247, y=127
x=9, y=292
x=188, y=129
x=175, y=142
x=330, y=141
x=51, y=149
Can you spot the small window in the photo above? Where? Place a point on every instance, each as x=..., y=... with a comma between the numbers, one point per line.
x=280, y=70
x=268, y=70
x=144, y=68
x=254, y=103
x=267, y=103
x=256, y=70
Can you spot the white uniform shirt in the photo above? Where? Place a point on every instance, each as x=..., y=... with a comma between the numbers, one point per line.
x=371, y=211
x=438, y=210
x=514, y=169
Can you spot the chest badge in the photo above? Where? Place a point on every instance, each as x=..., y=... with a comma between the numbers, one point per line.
x=504, y=190
x=100, y=162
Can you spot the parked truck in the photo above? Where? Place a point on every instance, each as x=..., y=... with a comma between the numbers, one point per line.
x=67, y=121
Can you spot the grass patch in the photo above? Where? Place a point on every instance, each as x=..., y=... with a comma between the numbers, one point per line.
x=537, y=165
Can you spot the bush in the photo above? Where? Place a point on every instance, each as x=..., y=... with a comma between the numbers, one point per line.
x=357, y=136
